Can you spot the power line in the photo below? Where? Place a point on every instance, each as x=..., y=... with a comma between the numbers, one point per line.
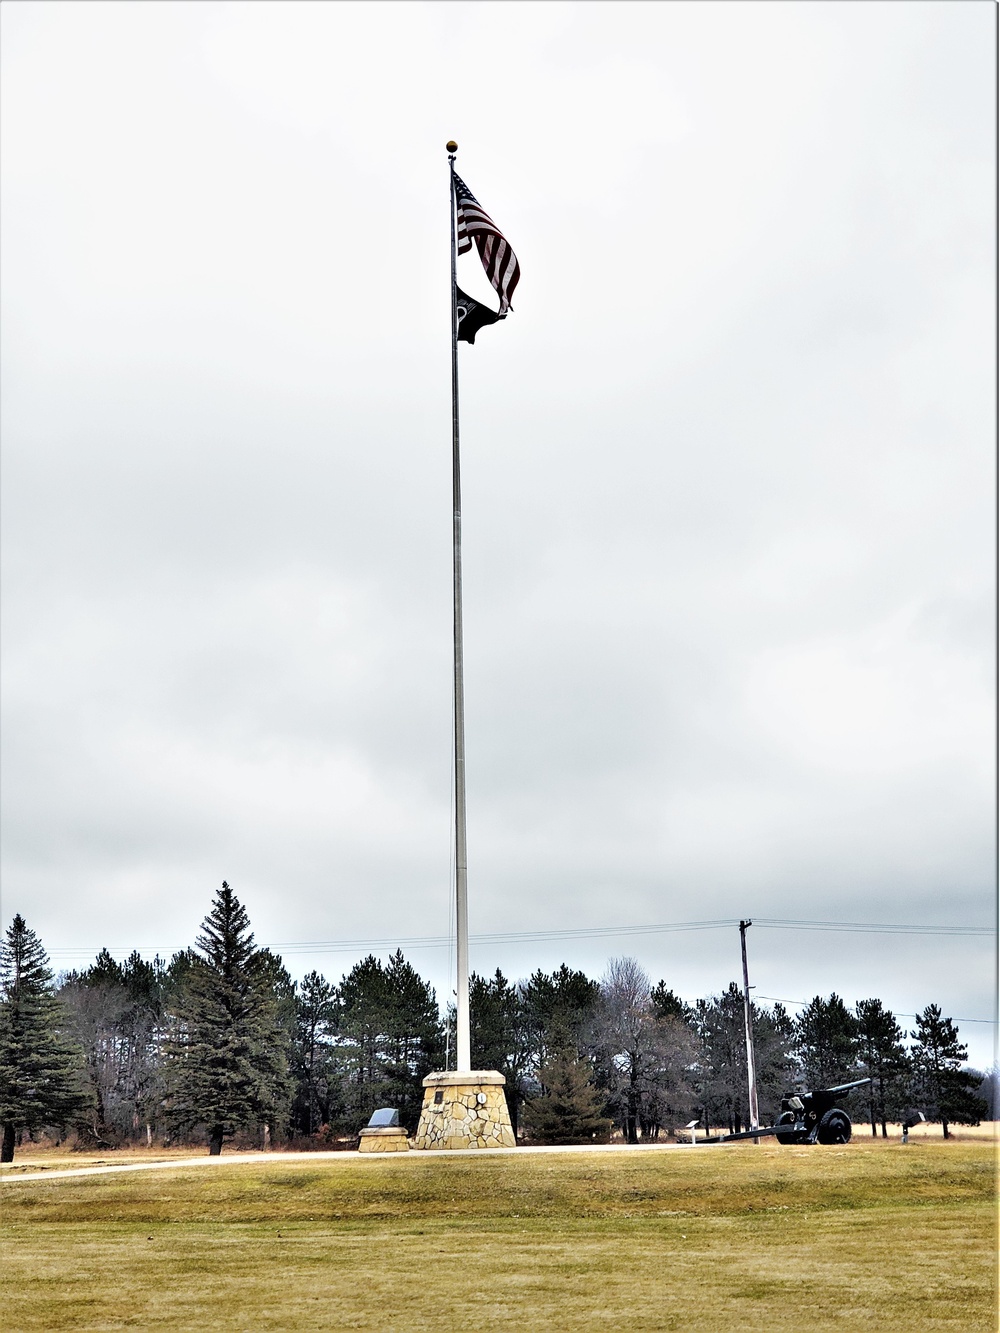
x=871, y=927
x=582, y=933
x=801, y=1004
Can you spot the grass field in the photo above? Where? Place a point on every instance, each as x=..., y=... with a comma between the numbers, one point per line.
x=872, y=1236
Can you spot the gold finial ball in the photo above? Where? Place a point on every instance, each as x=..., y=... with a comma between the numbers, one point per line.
x=451, y=146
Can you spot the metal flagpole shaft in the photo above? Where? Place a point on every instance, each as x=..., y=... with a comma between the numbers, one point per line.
x=748, y=1032
x=463, y=1052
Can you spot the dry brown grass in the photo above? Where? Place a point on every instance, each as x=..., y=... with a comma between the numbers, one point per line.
x=872, y=1236
x=35, y=1158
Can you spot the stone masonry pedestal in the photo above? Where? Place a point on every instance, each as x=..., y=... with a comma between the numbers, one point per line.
x=383, y=1138
x=464, y=1110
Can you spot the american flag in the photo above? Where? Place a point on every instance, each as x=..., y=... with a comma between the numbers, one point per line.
x=499, y=260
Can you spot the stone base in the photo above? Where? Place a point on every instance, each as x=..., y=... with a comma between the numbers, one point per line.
x=464, y=1110
x=383, y=1138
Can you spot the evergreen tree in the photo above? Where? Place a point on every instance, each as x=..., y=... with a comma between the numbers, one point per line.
x=570, y=1109
x=883, y=1059
x=274, y=983
x=363, y=1018
x=774, y=1058
x=558, y=1009
x=723, y=1084
x=988, y=1089
x=317, y=1096
x=389, y=1039
x=494, y=1021
x=272, y=977
x=499, y=1035
x=226, y=1050
x=826, y=1037
x=40, y=1067
x=668, y=1005
x=943, y=1090
x=414, y=1042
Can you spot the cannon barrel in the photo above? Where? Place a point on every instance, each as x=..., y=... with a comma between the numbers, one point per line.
x=845, y=1087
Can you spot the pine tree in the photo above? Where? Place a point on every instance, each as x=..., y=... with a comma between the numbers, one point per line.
x=556, y=1008
x=988, y=1089
x=943, y=1089
x=313, y=1061
x=413, y=1044
x=499, y=1035
x=273, y=982
x=826, y=1034
x=723, y=1063
x=226, y=1051
x=494, y=1014
x=883, y=1059
x=570, y=1109
x=668, y=1005
x=40, y=1067
x=723, y=1083
x=363, y=1018
x=389, y=1038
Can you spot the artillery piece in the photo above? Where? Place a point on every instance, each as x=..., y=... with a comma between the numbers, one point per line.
x=812, y=1117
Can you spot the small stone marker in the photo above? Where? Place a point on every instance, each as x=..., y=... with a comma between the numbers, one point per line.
x=384, y=1133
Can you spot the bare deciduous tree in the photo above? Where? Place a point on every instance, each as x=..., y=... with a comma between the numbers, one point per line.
x=644, y=1062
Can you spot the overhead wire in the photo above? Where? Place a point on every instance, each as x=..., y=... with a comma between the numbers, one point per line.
x=585, y=933
x=896, y=1013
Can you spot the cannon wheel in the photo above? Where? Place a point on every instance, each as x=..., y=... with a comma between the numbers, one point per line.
x=835, y=1127
x=787, y=1118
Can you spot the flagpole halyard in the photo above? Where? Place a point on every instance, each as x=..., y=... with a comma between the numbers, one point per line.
x=463, y=1045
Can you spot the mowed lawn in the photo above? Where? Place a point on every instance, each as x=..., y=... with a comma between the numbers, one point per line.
x=870, y=1236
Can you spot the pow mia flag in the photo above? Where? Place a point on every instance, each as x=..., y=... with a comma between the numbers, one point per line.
x=472, y=316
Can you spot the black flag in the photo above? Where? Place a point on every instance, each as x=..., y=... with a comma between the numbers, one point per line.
x=472, y=316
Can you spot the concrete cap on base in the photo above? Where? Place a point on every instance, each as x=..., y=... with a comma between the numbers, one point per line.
x=452, y=1078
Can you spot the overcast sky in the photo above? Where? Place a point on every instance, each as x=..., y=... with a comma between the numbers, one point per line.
x=728, y=483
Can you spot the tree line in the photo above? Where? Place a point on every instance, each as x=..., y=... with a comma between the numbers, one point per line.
x=220, y=1043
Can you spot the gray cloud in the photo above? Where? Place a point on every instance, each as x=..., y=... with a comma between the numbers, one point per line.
x=727, y=480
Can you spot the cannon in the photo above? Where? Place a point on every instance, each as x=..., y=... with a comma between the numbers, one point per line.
x=809, y=1117
x=814, y=1117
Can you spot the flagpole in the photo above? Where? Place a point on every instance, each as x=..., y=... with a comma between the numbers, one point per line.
x=445, y=1118
x=463, y=1046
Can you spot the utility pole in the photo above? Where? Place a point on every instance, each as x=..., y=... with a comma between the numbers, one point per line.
x=748, y=1032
